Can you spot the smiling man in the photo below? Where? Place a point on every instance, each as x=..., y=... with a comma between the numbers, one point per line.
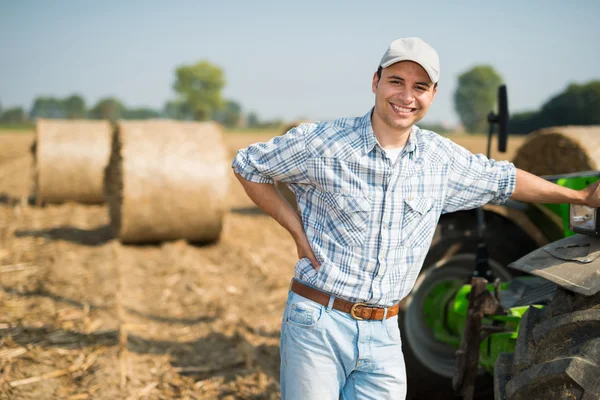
x=370, y=191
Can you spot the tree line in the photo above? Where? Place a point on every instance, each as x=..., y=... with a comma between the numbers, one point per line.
x=198, y=96
x=475, y=97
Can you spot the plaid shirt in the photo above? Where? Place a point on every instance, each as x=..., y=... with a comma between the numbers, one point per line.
x=370, y=221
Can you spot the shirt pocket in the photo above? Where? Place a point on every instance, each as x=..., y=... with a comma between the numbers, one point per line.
x=417, y=222
x=347, y=217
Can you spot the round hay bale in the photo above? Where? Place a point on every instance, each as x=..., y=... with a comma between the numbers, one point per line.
x=69, y=160
x=167, y=180
x=560, y=150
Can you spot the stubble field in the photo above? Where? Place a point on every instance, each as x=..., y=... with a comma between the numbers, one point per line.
x=84, y=317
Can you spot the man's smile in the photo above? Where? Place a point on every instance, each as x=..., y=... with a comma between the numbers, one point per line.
x=402, y=111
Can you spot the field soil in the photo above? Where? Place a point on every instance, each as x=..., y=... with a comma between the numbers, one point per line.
x=85, y=317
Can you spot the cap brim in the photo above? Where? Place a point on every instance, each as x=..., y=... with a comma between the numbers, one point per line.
x=430, y=72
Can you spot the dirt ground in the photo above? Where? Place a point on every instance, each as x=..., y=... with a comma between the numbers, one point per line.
x=84, y=317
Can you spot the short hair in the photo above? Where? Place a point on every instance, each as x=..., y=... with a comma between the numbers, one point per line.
x=381, y=69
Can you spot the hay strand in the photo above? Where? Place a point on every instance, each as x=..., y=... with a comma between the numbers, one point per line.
x=167, y=180
x=560, y=150
x=69, y=159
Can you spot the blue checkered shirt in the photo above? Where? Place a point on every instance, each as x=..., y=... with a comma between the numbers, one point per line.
x=370, y=220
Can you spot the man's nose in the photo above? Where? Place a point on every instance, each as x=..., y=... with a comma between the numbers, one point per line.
x=406, y=96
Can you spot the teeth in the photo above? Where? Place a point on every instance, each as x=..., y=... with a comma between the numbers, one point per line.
x=401, y=109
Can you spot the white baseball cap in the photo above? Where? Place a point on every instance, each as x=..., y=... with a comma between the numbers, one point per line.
x=416, y=50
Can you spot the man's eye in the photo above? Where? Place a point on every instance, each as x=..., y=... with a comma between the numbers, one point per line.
x=421, y=88
x=394, y=81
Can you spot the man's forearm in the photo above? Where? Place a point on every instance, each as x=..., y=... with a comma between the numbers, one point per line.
x=533, y=189
x=268, y=199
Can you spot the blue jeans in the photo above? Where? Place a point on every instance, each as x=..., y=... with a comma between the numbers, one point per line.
x=328, y=355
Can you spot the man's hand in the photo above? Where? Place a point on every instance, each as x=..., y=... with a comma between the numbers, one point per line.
x=272, y=202
x=305, y=251
x=592, y=195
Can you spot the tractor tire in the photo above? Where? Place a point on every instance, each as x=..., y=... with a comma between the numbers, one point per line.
x=430, y=364
x=557, y=355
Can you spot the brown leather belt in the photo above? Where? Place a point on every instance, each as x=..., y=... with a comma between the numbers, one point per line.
x=358, y=311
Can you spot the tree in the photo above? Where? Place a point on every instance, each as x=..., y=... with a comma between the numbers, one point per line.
x=140, y=113
x=577, y=105
x=74, y=107
x=475, y=96
x=108, y=108
x=47, y=107
x=180, y=110
x=200, y=86
x=230, y=114
x=524, y=122
x=13, y=115
x=71, y=107
x=253, y=120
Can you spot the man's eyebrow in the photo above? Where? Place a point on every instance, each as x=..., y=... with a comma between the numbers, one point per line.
x=402, y=79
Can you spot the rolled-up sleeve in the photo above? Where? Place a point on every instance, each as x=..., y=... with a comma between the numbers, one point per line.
x=475, y=180
x=282, y=158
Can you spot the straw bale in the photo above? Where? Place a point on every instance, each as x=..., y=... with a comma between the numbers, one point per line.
x=69, y=160
x=560, y=150
x=167, y=180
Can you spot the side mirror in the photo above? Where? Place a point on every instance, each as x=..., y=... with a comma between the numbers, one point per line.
x=501, y=118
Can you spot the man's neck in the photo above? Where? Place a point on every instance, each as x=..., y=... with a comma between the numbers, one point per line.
x=388, y=137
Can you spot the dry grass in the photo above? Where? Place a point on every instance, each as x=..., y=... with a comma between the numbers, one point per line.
x=85, y=317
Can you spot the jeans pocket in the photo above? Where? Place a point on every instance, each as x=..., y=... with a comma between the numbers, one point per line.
x=391, y=325
x=304, y=314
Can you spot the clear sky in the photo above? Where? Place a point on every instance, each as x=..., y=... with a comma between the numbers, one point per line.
x=289, y=59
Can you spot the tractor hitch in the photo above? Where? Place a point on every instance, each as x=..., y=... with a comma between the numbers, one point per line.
x=481, y=302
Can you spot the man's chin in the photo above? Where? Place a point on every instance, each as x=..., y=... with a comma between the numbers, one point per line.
x=403, y=123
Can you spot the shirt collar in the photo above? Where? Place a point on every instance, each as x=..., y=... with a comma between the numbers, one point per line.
x=366, y=130
x=369, y=139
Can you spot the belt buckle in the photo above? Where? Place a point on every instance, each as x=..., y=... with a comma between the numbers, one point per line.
x=353, y=309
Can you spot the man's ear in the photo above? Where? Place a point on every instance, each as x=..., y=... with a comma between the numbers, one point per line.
x=375, y=82
x=435, y=88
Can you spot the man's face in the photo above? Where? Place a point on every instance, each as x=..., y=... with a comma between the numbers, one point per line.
x=403, y=94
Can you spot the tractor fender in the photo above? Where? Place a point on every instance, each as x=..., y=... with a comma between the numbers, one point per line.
x=572, y=263
x=539, y=223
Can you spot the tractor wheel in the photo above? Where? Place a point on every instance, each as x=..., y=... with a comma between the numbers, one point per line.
x=430, y=364
x=557, y=355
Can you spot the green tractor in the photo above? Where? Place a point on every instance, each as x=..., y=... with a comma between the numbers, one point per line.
x=507, y=305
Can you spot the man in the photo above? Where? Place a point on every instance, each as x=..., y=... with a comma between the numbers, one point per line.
x=370, y=191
